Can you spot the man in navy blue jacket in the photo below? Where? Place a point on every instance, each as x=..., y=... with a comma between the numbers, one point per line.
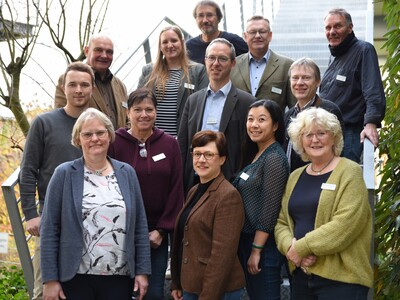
x=353, y=81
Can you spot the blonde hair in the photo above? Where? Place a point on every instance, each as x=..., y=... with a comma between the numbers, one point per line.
x=90, y=114
x=159, y=74
x=308, y=118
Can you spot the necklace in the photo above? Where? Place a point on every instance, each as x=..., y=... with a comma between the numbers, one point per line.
x=98, y=172
x=323, y=168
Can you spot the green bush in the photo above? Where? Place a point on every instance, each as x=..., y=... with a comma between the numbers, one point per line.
x=12, y=284
x=387, y=210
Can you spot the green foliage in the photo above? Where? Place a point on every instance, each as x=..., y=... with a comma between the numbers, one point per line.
x=12, y=284
x=387, y=210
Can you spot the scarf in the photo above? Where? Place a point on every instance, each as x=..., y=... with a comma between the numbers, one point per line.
x=343, y=46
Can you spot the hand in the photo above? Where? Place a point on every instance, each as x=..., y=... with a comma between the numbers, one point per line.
x=292, y=255
x=155, y=239
x=177, y=294
x=308, y=261
x=33, y=226
x=52, y=291
x=141, y=285
x=371, y=133
x=253, y=262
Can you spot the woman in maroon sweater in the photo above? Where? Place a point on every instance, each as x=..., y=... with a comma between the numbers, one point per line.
x=155, y=156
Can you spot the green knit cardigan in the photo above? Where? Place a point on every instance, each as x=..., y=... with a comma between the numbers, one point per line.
x=341, y=239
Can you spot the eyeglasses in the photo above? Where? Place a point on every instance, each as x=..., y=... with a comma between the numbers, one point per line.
x=222, y=59
x=207, y=155
x=253, y=33
x=143, y=151
x=207, y=16
x=88, y=135
x=319, y=135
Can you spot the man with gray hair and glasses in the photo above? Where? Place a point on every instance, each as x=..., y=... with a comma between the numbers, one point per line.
x=208, y=15
x=262, y=72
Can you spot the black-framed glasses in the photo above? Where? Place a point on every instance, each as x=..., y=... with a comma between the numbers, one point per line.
x=207, y=155
x=99, y=133
x=143, y=151
x=222, y=59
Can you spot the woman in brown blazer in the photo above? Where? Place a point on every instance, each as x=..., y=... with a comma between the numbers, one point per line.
x=204, y=261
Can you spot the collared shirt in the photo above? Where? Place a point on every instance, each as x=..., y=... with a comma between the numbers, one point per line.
x=257, y=68
x=214, y=106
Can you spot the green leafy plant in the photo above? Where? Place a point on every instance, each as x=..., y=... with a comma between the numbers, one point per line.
x=387, y=209
x=12, y=284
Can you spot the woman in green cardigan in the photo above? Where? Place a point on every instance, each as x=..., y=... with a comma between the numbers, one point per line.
x=325, y=224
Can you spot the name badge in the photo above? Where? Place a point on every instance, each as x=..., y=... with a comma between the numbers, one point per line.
x=211, y=121
x=328, y=186
x=159, y=157
x=244, y=176
x=276, y=90
x=341, y=78
x=188, y=86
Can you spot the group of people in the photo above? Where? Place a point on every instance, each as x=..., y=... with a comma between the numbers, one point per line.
x=225, y=156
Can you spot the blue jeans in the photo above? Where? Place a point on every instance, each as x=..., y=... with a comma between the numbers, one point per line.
x=352, y=147
x=314, y=287
x=234, y=295
x=267, y=283
x=159, y=263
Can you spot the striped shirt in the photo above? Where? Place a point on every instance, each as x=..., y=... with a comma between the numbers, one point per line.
x=167, y=104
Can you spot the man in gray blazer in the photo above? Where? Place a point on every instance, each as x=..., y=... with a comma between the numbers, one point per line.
x=262, y=72
x=219, y=107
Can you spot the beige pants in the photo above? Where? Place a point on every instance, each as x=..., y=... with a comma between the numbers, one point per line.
x=37, y=273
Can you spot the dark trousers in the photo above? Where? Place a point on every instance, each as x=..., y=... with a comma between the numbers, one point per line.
x=267, y=283
x=98, y=287
x=313, y=287
x=352, y=148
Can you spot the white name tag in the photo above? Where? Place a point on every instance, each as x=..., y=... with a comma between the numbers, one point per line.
x=188, y=86
x=244, y=176
x=328, y=186
x=159, y=157
x=276, y=90
x=211, y=121
x=341, y=78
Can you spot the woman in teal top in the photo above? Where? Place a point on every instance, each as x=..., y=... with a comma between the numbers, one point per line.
x=261, y=184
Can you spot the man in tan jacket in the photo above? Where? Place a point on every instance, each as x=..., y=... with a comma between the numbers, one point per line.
x=109, y=95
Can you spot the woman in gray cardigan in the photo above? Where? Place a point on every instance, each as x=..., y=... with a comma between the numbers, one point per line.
x=94, y=232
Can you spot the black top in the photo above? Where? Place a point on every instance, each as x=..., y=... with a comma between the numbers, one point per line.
x=303, y=202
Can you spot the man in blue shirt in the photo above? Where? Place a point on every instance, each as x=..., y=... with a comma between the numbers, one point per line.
x=220, y=107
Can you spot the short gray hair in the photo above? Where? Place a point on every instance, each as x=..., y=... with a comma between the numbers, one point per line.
x=90, y=114
x=306, y=62
x=223, y=41
x=303, y=123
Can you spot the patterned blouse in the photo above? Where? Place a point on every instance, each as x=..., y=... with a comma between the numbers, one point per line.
x=104, y=226
x=261, y=185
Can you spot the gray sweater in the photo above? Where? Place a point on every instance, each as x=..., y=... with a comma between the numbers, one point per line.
x=48, y=144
